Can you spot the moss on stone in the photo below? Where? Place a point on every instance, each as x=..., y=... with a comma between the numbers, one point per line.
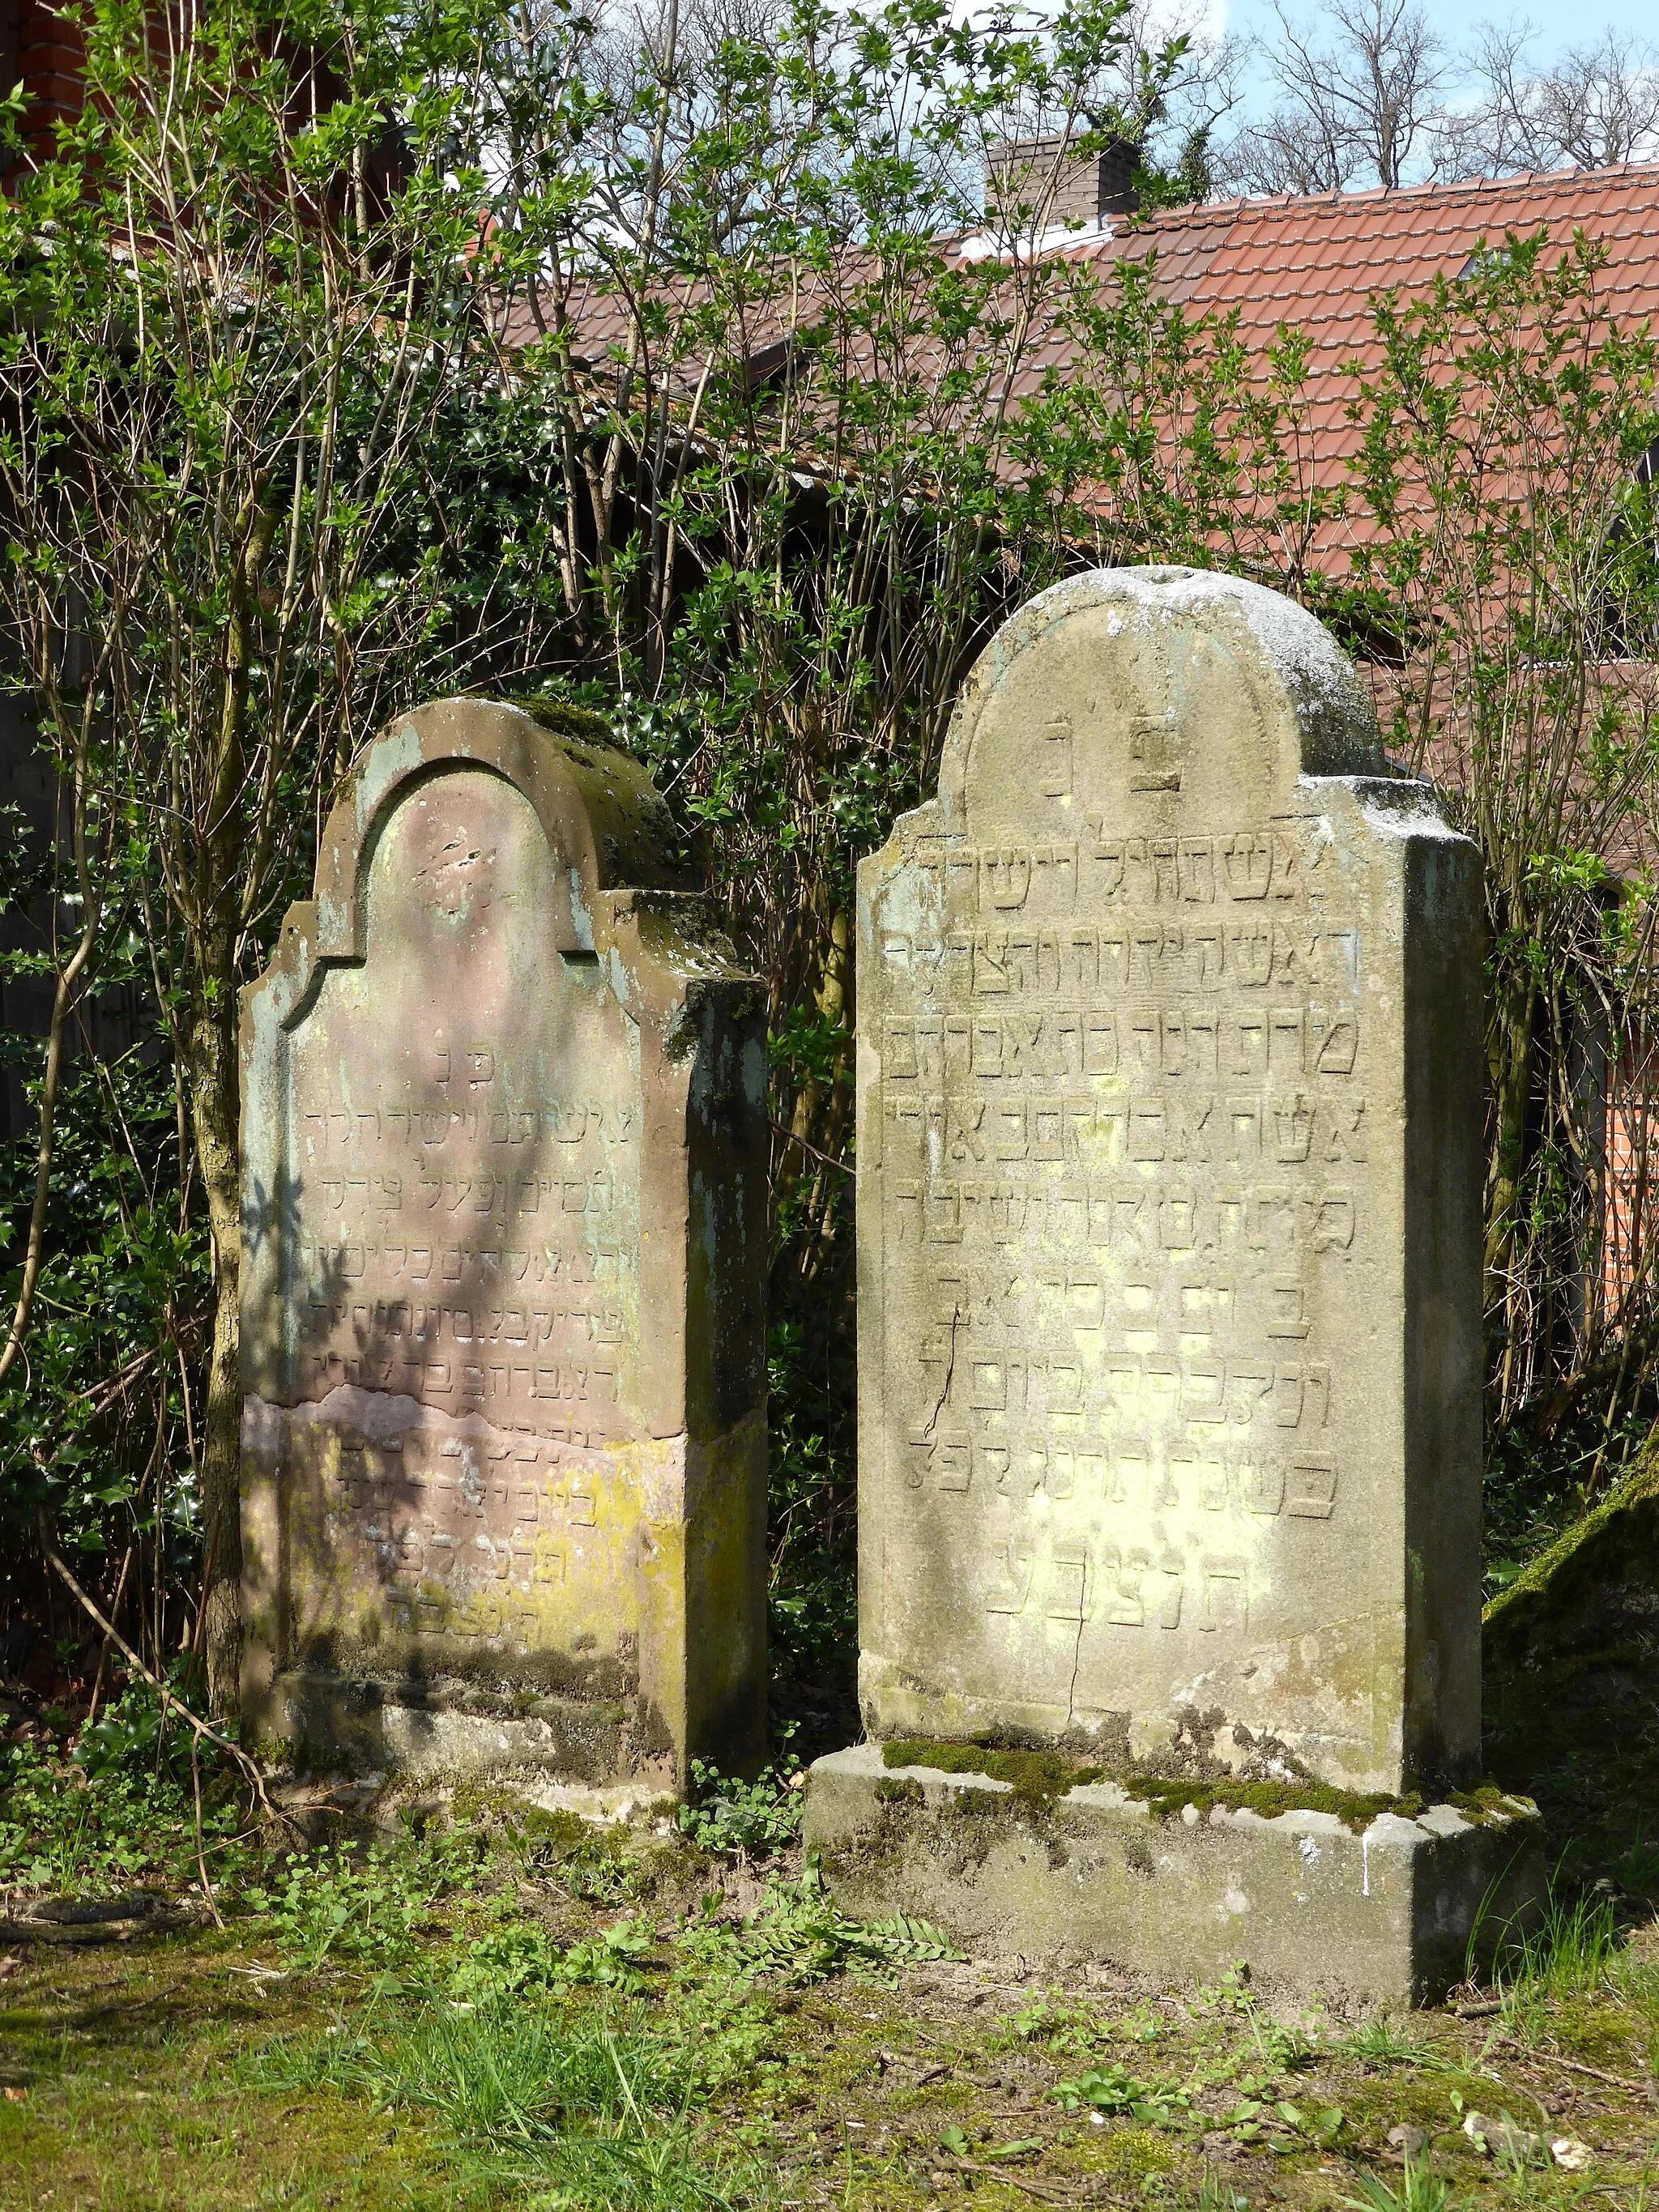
x=1356, y=1809
x=889, y=1792
x=1039, y=1777
x=1043, y=1778
x=565, y=720
x=1483, y=1804
x=1592, y=1587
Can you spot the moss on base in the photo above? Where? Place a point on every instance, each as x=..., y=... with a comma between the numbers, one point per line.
x=1592, y=1587
x=1356, y=1809
x=1039, y=1777
x=1043, y=1778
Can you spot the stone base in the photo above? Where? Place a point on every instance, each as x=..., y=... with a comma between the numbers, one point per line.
x=1400, y=1911
x=341, y=1723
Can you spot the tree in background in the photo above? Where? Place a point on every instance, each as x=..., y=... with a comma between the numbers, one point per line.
x=1505, y=478
x=1597, y=104
x=346, y=359
x=1370, y=93
x=675, y=365
x=1356, y=94
x=237, y=302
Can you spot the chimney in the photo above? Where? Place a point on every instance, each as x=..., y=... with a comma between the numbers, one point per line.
x=1088, y=188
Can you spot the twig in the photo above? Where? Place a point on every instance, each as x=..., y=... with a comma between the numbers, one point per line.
x=201, y=1855
x=790, y=1138
x=103, y=1654
x=1031, y=2188
x=169, y=1703
x=1572, y=2065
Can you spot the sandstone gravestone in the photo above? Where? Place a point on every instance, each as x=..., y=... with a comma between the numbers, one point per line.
x=504, y=1190
x=1168, y=1201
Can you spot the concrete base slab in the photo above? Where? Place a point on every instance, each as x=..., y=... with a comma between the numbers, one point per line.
x=1400, y=1911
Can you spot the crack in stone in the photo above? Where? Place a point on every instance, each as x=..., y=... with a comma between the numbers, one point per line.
x=958, y=1317
x=1077, y=1660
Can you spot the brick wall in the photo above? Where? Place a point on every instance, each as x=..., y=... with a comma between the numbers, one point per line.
x=1087, y=187
x=43, y=52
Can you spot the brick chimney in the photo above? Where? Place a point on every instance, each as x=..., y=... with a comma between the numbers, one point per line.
x=1088, y=188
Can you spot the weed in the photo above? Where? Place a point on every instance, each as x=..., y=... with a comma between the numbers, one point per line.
x=1284, y=2046
x=518, y=1959
x=1064, y=2024
x=1216, y=2195
x=756, y=1819
x=367, y=1904
x=76, y=1833
x=798, y=1934
x=1573, y=1950
x=1111, y=2090
x=1418, y=2191
x=1383, y=2042
x=609, y=1959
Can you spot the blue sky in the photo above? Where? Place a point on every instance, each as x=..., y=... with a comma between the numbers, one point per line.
x=1560, y=22
x=1555, y=24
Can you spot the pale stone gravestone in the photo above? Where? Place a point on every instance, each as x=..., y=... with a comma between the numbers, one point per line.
x=1168, y=1224
x=505, y=1226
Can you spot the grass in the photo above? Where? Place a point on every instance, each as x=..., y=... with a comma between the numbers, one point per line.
x=205, y=2071
x=593, y=2107
x=1419, y=2190
x=507, y=2010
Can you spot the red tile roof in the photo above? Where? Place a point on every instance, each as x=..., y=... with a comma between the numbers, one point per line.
x=1314, y=264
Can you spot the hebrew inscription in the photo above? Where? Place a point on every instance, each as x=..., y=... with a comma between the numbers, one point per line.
x=1132, y=1142
x=471, y=1161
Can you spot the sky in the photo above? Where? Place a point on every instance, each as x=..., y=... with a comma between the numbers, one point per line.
x=1555, y=23
x=1559, y=22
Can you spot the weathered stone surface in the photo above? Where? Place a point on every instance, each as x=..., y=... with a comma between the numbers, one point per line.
x=1169, y=1209
x=504, y=1191
x=1300, y=1898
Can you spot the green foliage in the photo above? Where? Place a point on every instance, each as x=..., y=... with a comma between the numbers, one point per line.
x=811, y=1485
x=611, y=1959
x=133, y=1732
x=1111, y=2090
x=368, y=1904
x=69, y=1832
x=99, y=1438
x=515, y=1961
x=1573, y=1948
x=724, y=1814
x=798, y=1935
x=1419, y=2190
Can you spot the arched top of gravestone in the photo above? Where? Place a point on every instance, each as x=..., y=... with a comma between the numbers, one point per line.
x=1152, y=692
x=606, y=824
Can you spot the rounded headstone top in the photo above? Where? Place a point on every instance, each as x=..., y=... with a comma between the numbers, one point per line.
x=1201, y=680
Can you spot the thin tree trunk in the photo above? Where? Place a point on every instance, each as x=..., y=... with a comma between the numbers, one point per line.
x=214, y=1101
x=215, y=1104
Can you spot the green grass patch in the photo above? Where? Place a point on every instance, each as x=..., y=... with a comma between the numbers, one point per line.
x=592, y=2104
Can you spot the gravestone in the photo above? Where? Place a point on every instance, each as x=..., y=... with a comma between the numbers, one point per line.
x=1168, y=1212
x=504, y=1149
